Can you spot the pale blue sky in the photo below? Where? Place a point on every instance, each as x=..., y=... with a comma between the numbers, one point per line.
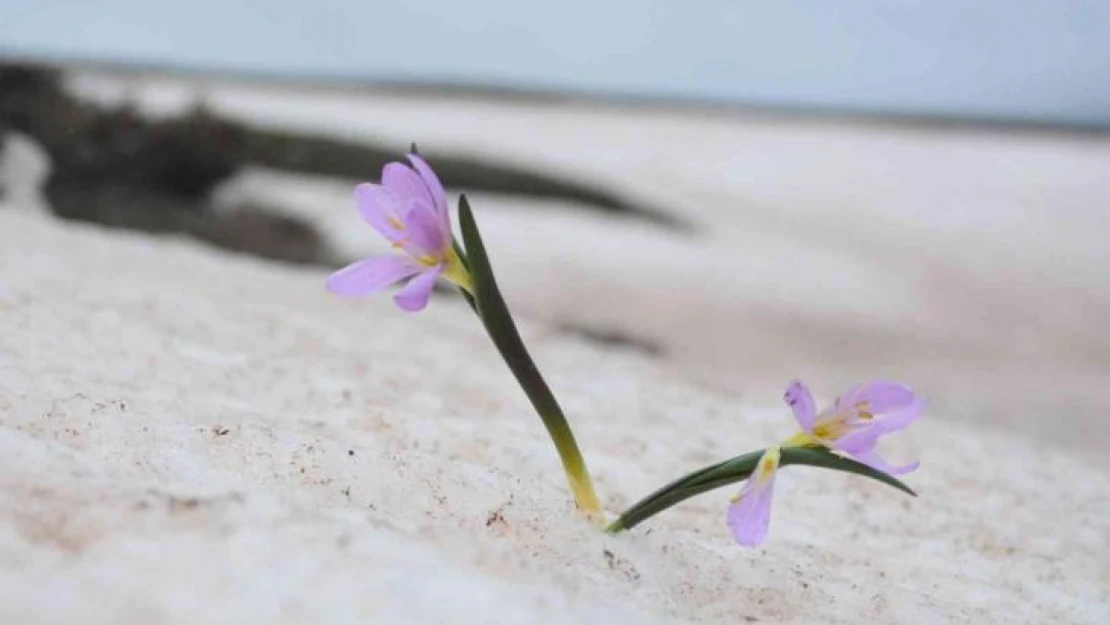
x=1032, y=59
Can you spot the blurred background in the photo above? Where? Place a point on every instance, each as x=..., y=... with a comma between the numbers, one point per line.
x=993, y=60
x=745, y=191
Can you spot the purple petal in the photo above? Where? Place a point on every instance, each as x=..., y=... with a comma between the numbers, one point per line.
x=749, y=517
x=424, y=232
x=370, y=275
x=901, y=418
x=405, y=184
x=882, y=397
x=848, y=398
x=414, y=297
x=435, y=188
x=866, y=436
x=801, y=401
x=858, y=442
x=381, y=209
x=875, y=461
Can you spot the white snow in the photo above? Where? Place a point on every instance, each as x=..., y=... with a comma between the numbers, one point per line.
x=193, y=436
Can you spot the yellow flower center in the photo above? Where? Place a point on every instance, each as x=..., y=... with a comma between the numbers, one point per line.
x=863, y=409
x=830, y=429
x=455, y=272
x=768, y=463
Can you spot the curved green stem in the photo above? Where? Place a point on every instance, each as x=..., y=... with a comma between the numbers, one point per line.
x=736, y=469
x=490, y=307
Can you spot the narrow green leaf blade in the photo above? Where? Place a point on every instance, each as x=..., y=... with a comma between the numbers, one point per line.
x=495, y=315
x=825, y=459
x=499, y=321
x=685, y=487
x=665, y=497
x=492, y=306
x=499, y=324
x=737, y=469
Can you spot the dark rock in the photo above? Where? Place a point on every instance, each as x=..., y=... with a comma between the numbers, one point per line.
x=117, y=168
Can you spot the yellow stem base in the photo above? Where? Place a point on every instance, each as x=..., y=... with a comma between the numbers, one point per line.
x=586, y=499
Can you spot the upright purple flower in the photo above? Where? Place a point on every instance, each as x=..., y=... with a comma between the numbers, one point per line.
x=409, y=208
x=856, y=420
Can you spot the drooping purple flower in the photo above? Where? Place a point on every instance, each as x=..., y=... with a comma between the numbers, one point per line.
x=749, y=516
x=409, y=208
x=856, y=420
x=852, y=425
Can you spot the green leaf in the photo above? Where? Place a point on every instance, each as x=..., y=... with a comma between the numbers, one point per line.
x=648, y=508
x=825, y=459
x=494, y=313
x=499, y=322
x=658, y=500
x=491, y=306
x=683, y=488
x=737, y=469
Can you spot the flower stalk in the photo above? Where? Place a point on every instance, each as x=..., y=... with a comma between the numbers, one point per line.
x=486, y=300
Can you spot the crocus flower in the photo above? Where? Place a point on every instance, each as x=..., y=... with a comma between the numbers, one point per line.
x=409, y=208
x=856, y=420
x=749, y=516
x=852, y=425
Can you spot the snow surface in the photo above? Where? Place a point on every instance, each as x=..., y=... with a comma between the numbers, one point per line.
x=193, y=436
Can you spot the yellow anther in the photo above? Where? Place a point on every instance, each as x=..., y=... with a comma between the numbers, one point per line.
x=830, y=429
x=396, y=223
x=864, y=410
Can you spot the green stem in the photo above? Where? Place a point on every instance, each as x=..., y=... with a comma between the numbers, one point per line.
x=736, y=469
x=488, y=304
x=515, y=354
